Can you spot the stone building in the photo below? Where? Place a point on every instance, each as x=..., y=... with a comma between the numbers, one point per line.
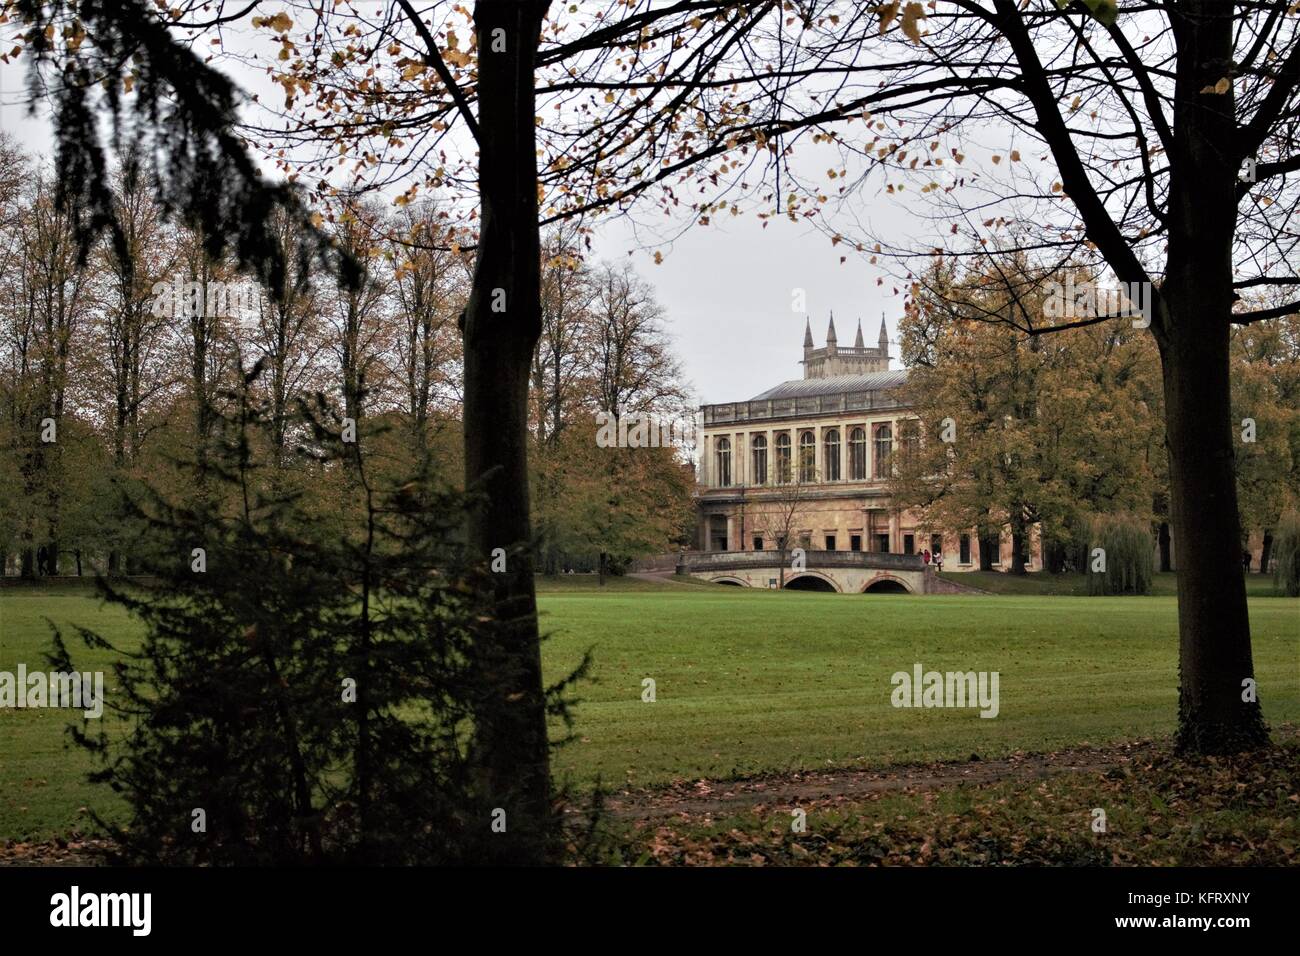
x=808, y=460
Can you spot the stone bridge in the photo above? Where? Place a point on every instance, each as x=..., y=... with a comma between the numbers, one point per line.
x=845, y=572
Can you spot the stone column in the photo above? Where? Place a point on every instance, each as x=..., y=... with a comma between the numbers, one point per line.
x=706, y=449
x=818, y=464
x=869, y=450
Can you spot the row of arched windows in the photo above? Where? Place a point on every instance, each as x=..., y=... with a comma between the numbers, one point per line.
x=807, y=460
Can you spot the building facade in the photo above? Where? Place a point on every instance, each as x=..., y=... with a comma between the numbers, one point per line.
x=806, y=464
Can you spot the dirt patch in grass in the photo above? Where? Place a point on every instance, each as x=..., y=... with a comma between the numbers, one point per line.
x=1131, y=805
x=705, y=797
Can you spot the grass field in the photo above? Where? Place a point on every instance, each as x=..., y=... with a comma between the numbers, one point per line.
x=750, y=681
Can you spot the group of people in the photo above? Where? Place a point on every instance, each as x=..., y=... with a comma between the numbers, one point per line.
x=936, y=558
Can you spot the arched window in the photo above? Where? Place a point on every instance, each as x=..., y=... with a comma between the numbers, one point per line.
x=722, y=456
x=884, y=445
x=831, y=455
x=782, y=458
x=858, y=455
x=807, y=457
x=759, y=448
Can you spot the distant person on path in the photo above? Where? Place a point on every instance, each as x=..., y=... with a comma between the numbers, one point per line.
x=926, y=555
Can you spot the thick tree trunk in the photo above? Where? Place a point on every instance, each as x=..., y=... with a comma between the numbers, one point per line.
x=1265, y=552
x=1214, y=658
x=988, y=547
x=1214, y=628
x=1019, y=544
x=1166, y=556
x=501, y=326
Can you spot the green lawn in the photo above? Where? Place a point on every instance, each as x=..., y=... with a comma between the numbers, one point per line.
x=750, y=681
x=1000, y=582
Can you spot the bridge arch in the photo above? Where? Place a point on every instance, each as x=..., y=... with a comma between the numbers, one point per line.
x=886, y=584
x=730, y=581
x=812, y=581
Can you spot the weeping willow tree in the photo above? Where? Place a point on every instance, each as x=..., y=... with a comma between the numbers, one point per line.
x=1286, y=549
x=1120, y=559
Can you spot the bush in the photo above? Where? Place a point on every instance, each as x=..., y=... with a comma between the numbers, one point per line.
x=307, y=687
x=1286, y=555
x=1125, y=541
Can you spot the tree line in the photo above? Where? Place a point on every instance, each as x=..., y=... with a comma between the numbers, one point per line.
x=111, y=369
x=1055, y=432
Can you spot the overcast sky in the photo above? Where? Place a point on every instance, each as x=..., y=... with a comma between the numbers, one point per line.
x=726, y=289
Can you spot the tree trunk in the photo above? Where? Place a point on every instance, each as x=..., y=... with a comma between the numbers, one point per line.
x=1214, y=658
x=1166, y=558
x=1019, y=544
x=1213, y=625
x=1055, y=555
x=1265, y=552
x=988, y=544
x=500, y=326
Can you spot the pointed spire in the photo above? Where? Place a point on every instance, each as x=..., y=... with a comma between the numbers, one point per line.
x=884, y=335
x=858, y=343
x=830, y=331
x=807, y=334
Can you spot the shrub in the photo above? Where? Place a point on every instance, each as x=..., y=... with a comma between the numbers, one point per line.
x=1286, y=555
x=307, y=688
x=1125, y=541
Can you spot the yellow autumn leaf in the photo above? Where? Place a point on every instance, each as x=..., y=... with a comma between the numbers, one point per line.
x=911, y=14
x=887, y=11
